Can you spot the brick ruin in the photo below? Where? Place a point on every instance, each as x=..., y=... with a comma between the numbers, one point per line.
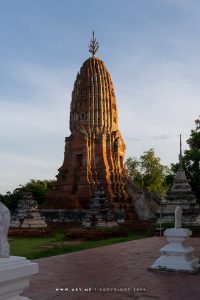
x=95, y=150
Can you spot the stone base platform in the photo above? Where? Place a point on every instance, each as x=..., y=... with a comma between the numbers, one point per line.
x=15, y=273
x=176, y=256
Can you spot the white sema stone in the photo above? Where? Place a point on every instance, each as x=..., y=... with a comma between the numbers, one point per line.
x=176, y=256
x=178, y=217
x=4, y=227
x=14, y=271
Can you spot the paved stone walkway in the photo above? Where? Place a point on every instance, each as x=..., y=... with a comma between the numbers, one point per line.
x=117, y=266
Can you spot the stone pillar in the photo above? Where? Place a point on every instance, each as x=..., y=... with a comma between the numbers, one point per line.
x=15, y=271
x=176, y=256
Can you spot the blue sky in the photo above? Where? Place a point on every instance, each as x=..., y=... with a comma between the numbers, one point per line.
x=151, y=49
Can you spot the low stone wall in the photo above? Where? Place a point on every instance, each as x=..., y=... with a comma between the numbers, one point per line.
x=140, y=226
x=59, y=216
x=21, y=232
x=92, y=234
x=63, y=218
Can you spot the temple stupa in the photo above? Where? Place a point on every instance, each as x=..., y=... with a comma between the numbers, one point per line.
x=180, y=194
x=95, y=150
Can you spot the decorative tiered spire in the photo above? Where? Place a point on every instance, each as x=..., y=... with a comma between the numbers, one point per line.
x=93, y=107
x=181, y=156
x=94, y=45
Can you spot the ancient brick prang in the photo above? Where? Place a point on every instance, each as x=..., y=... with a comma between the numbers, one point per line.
x=94, y=152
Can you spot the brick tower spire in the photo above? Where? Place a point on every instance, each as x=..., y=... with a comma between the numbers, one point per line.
x=94, y=152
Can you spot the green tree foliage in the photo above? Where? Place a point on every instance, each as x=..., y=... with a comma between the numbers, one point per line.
x=171, y=175
x=37, y=187
x=10, y=200
x=133, y=168
x=148, y=172
x=191, y=159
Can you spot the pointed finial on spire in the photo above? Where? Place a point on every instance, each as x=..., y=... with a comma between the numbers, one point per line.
x=181, y=156
x=94, y=45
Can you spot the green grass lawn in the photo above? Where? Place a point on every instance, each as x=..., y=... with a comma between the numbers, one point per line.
x=30, y=247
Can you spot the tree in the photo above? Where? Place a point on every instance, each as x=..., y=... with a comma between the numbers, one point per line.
x=169, y=179
x=37, y=187
x=148, y=172
x=191, y=159
x=133, y=168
